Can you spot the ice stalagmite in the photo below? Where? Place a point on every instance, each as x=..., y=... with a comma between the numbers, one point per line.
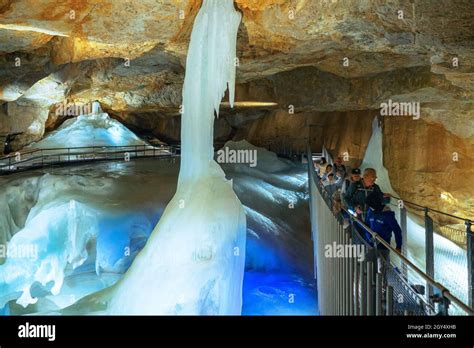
x=193, y=262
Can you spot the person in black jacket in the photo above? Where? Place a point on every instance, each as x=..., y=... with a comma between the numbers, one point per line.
x=355, y=176
x=358, y=192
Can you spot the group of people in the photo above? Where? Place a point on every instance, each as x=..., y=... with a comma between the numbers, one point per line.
x=359, y=194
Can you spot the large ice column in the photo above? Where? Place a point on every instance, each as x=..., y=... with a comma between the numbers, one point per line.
x=194, y=261
x=209, y=70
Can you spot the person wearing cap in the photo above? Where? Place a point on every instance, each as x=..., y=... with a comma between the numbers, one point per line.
x=354, y=177
x=381, y=220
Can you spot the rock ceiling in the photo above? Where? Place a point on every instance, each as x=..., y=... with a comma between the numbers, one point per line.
x=102, y=37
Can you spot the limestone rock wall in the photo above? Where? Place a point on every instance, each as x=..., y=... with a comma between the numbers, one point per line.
x=428, y=164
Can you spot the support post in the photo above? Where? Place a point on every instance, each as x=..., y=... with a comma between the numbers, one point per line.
x=347, y=274
x=429, y=252
x=350, y=288
x=363, y=288
x=389, y=301
x=343, y=277
x=370, y=288
x=403, y=225
x=355, y=289
x=470, y=262
x=378, y=294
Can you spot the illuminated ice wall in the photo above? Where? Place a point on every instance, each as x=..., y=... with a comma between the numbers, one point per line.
x=94, y=129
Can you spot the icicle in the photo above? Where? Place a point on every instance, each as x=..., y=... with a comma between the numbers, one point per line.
x=96, y=109
x=210, y=69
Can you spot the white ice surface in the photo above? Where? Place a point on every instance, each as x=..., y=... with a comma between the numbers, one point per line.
x=95, y=129
x=127, y=200
x=267, y=161
x=60, y=213
x=58, y=236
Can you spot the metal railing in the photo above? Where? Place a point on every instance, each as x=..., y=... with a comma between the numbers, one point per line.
x=372, y=284
x=458, y=230
x=38, y=158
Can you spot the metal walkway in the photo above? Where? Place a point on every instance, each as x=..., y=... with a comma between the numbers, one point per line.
x=39, y=158
x=369, y=285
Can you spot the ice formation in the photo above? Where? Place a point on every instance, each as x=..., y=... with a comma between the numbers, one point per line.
x=95, y=129
x=267, y=161
x=193, y=263
x=49, y=242
x=278, y=257
x=105, y=204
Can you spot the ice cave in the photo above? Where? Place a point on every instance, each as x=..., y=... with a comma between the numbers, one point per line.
x=202, y=157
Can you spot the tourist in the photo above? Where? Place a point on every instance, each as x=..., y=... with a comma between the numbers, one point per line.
x=327, y=172
x=339, y=166
x=330, y=180
x=358, y=192
x=348, y=180
x=354, y=177
x=329, y=185
x=321, y=166
x=382, y=220
x=339, y=178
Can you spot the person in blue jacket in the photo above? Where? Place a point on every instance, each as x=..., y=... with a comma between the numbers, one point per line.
x=382, y=220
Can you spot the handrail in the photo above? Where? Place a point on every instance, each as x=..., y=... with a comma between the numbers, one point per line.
x=76, y=151
x=444, y=291
x=84, y=147
x=433, y=210
x=13, y=154
x=424, y=208
x=65, y=154
x=85, y=153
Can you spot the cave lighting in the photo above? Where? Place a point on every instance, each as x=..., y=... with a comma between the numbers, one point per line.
x=249, y=104
x=33, y=29
x=448, y=197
